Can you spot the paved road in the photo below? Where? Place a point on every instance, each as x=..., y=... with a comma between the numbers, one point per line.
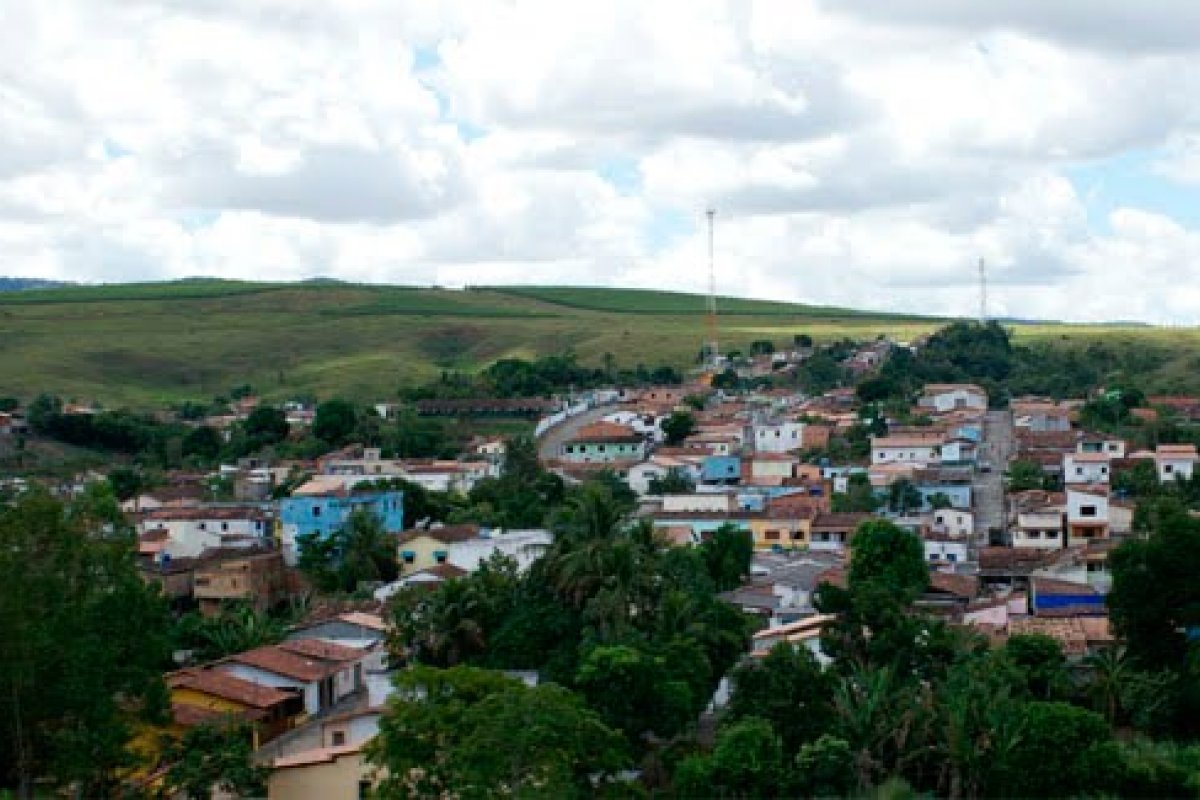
x=549, y=446
x=996, y=449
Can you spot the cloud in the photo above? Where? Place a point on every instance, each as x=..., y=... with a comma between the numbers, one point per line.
x=858, y=153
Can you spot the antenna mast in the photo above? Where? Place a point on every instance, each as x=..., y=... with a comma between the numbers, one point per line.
x=982, y=293
x=714, y=350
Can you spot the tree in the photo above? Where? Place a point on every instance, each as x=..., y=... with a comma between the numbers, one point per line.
x=760, y=347
x=802, y=340
x=903, y=497
x=859, y=495
x=727, y=555
x=202, y=442
x=825, y=768
x=676, y=481
x=216, y=756
x=1155, y=598
x=789, y=689
x=1025, y=475
x=358, y=552
x=887, y=555
x=85, y=641
x=334, y=421
x=470, y=732
x=678, y=426
x=266, y=425
x=237, y=628
x=1111, y=672
x=1062, y=751
x=1041, y=664
x=125, y=482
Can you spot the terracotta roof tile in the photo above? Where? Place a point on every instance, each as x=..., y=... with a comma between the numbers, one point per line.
x=221, y=684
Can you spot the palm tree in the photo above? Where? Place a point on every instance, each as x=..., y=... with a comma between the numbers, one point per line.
x=367, y=553
x=1111, y=673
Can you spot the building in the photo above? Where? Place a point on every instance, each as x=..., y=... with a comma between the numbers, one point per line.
x=188, y=532
x=258, y=580
x=1086, y=468
x=778, y=437
x=1041, y=416
x=943, y=397
x=908, y=449
x=522, y=546
x=323, y=673
x=603, y=442
x=834, y=531
x=805, y=633
x=1040, y=529
x=203, y=694
x=1087, y=514
x=323, y=511
x=324, y=773
x=941, y=548
x=1175, y=461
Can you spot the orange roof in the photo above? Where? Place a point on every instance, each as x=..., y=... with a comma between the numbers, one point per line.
x=229, y=687
x=326, y=651
x=281, y=661
x=319, y=755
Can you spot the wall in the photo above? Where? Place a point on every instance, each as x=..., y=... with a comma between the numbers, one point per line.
x=325, y=514
x=312, y=697
x=333, y=780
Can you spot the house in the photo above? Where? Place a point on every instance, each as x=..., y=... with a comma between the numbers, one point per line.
x=322, y=672
x=778, y=437
x=942, y=548
x=428, y=578
x=354, y=629
x=803, y=633
x=1040, y=529
x=257, y=580
x=953, y=522
x=1041, y=416
x=1087, y=468
x=908, y=449
x=943, y=397
x=776, y=529
x=435, y=475
x=1110, y=446
x=1175, y=461
x=522, y=546
x=323, y=511
x=959, y=450
x=323, y=773
x=603, y=442
x=423, y=548
x=203, y=694
x=771, y=467
x=834, y=531
x=187, y=532
x=1053, y=597
x=717, y=469
x=1087, y=514
x=660, y=466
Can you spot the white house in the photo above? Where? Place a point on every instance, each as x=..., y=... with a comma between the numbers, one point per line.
x=1110, y=446
x=778, y=437
x=958, y=451
x=188, y=532
x=905, y=450
x=524, y=547
x=639, y=475
x=943, y=397
x=697, y=503
x=805, y=633
x=1175, y=461
x=323, y=672
x=646, y=425
x=1041, y=529
x=945, y=549
x=953, y=522
x=1086, y=468
x=1087, y=514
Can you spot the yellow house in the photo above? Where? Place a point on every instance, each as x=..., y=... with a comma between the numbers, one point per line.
x=326, y=773
x=201, y=695
x=421, y=549
x=787, y=531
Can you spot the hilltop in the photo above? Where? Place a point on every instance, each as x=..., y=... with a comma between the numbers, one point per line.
x=148, y=343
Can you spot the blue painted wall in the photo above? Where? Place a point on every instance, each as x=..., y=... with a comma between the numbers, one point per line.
x=325, y=514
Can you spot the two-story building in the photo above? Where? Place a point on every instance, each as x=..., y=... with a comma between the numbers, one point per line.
x=943, y=397
x=906, y=449
x=188, y=532
x=1175, y=461
x=1087, y=468
x=323, y=511
x=322, y=672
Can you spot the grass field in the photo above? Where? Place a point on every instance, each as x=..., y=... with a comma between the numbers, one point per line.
x=146, y=344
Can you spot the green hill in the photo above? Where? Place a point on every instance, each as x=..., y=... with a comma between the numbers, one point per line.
x=148, y=343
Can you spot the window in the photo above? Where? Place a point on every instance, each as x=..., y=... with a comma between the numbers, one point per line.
x=1087, y=511
x=951, y=557
x=316, y=511
x=409, y=556
x=224, y=526
x=1168, y=468
x=202, y=526
x=772, y=536
x=337, y=738
x=439, y=556
x=1079, y=470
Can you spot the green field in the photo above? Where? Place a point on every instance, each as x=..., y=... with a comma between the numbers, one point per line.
x=146, y=344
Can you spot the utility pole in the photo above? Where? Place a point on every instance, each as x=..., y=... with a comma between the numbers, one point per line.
x=982, y=293
x=714, y=350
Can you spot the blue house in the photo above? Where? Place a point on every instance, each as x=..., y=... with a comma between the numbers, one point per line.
x=1053, y=595
x=721, y=469
x=323, y=514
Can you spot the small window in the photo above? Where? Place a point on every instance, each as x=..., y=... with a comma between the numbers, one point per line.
x=338, y=738
x=951, y=557
x=409, y=557
x=1079, y=470
x=1168, y=468
x=316, y=511
x=202, y=526
x=1087, y=511
x=224, y=526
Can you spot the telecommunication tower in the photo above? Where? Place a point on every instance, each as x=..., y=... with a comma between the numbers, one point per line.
x=714, y=350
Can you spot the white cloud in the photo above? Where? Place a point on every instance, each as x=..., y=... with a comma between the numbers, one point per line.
x=859, y=153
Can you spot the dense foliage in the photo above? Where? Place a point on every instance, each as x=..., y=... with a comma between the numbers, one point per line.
x=84, y=643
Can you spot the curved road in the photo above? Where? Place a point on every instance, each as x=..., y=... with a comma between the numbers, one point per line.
x=550, y=445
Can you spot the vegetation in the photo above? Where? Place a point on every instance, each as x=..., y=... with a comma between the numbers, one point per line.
x=85, y=641
x=216, y=756
x=359, y=552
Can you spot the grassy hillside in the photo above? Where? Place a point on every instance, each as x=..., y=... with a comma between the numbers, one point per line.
x=145, y=344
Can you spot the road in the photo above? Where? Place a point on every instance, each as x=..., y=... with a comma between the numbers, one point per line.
x=996, y=449
x=550, y=445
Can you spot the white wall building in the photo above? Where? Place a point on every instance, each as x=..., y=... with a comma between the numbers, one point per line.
x=524, y=547
x=188, y=532
x=904, y=450
x=1175, y=461
x=778, y=437
x=943, y=397
x=1086, y=468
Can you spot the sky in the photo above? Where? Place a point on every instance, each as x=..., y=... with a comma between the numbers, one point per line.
x=857, y=152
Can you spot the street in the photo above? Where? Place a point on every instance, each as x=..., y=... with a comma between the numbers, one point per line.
x=996, y=449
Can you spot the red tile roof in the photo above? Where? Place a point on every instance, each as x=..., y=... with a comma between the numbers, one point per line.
x=326, y=651
x=276, y=659
x=229, y=687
